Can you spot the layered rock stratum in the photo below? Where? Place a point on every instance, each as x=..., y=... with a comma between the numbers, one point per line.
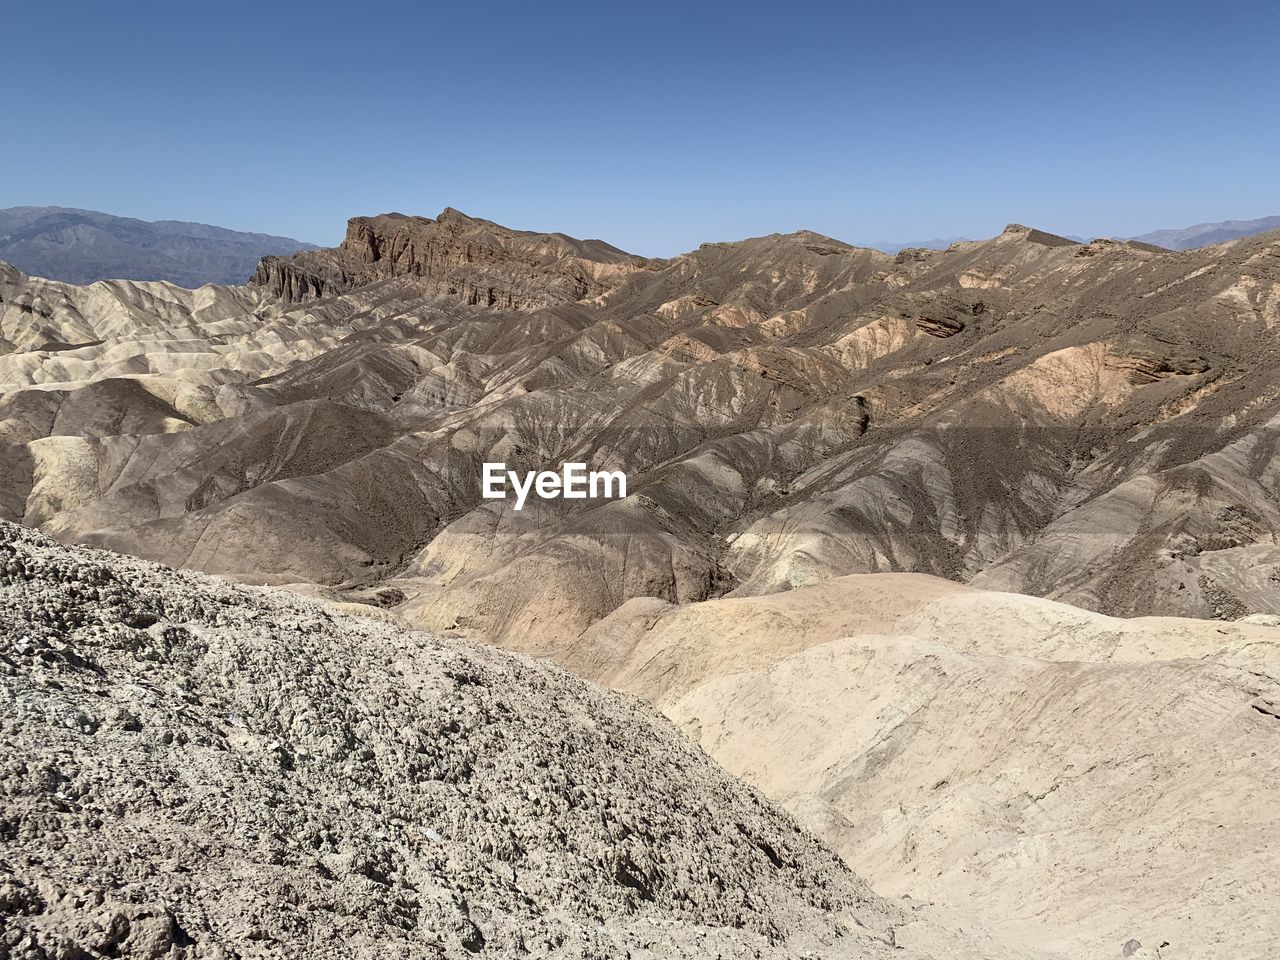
x=476, y=261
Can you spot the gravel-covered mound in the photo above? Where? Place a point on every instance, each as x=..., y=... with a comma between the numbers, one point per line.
x=189, y=768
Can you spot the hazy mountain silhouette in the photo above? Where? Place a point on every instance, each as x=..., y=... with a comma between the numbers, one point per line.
x=1203, y=234
x=81, y=246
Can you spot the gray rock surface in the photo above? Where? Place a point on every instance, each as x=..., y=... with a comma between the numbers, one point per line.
x=194, y=769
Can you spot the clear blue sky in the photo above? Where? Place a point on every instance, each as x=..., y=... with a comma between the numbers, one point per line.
x=656, y=126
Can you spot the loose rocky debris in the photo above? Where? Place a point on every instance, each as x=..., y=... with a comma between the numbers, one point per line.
x=192, y=769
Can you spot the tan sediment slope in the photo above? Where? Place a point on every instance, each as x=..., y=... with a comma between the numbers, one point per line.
x=192, y=769
x=660, y=650
x=1074, y=780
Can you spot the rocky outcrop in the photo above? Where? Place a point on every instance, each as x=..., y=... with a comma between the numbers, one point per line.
x=1041, y=237
x=475, y=261
x=940, y=326
x=1149, y=365
x=191, y=770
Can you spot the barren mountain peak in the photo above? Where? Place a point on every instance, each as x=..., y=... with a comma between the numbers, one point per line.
x=1033, y=235
x=455, y=215
x=455, y=255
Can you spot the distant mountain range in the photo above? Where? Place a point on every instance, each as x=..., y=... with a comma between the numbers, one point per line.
x=1184, y=238
x=1204, y=234
x=81, y=246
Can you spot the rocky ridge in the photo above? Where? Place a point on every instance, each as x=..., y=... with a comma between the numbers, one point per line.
x=1014, y=412
x=453, y=255
x=193, y=769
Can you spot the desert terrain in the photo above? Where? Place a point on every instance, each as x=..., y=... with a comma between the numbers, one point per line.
x=1073, y=779
x=226, y=771
x=965, y=559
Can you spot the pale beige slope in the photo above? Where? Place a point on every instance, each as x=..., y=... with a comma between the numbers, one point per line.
x=1073, y=780
x=35, y=311
x=660, y=650
x=1066, y=805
